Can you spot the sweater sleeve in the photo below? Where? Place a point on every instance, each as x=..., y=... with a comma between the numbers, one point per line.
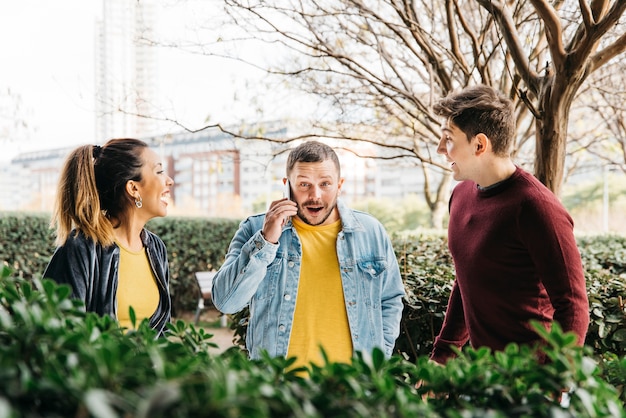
x=453, y=331
x=548, y=231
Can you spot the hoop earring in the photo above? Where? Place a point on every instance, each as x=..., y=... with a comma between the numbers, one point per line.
x=139, y=202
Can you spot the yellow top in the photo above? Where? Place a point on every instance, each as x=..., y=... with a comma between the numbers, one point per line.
x=136, y=287
x=320, y=317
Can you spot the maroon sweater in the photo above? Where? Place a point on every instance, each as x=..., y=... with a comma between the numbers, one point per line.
x=516, y=259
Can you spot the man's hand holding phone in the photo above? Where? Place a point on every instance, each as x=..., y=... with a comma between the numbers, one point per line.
x=278, y=214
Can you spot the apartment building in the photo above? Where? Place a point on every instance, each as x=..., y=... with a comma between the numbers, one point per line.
x=217, y=174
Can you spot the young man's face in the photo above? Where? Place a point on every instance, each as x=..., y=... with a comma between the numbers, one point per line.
x=458, y=150
x=315, y=188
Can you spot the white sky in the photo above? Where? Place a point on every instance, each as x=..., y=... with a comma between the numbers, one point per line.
x=47, y=54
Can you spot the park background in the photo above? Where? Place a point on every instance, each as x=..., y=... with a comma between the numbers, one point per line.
x=211, y=72
x=210, y=77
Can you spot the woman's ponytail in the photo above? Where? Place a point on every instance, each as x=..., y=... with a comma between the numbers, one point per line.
x=77, y=202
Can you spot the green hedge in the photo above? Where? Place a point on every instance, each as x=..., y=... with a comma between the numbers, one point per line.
x=26, y=242
x=428, y=273
x=200, y=244
x=194, y=244
x=58, y=361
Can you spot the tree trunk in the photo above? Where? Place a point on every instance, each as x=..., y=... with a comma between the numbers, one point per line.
x=439, y=206
x=550, y=155
x=551, y=135
x=438, y=214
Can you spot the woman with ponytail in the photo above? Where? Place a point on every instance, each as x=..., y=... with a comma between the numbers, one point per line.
x=105, y=197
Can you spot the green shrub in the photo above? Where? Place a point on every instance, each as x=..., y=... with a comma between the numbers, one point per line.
x=58, y=361
x=428, y=273
x=194, y=244
x=604, y=258
x=26, y=242
x=427, y=269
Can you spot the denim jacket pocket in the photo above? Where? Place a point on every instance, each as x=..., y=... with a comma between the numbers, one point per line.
x=371, y=271
x=372, y=268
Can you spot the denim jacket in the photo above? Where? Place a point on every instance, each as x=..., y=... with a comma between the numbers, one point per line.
x=264, y=276
x=91, y=271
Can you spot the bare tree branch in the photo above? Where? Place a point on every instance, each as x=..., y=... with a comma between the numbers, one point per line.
x=509, y=32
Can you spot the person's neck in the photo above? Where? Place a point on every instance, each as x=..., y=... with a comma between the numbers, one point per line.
x=499, y=170
x=129, y=235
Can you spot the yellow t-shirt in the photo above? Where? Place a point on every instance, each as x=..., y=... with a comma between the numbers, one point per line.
x=136, y=287
x=320, y=317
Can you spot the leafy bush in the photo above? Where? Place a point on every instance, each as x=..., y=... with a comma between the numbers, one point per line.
x=26, y=242
x=604, y=258
x=427, y=269
x=58, y=361
x=194, y=244
x=428, y=273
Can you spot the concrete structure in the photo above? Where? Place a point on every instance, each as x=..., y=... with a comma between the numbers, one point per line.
x=217, y=174
x=126, y=69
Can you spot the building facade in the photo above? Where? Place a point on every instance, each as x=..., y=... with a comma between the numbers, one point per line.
x=216, y=174
x=126, y=69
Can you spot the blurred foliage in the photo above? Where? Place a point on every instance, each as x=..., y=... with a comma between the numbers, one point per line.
x=193, y=244
x=198, y=244
x=582, y=194
x=428, y=274
x=407, y=214
x=58, y=361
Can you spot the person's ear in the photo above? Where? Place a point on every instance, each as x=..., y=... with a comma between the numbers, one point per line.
x=132, y=189
x=481, y=143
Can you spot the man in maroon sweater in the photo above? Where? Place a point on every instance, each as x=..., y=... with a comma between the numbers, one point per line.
x=512, y=241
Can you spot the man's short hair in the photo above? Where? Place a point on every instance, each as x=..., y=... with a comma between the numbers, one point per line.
x=481, y=109
x=312, y=152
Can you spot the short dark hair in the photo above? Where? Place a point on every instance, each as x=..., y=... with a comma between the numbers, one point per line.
x=312, y=152
x=481, y=109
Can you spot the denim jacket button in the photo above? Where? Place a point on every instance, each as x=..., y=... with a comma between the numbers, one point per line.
x=281, y=328
x=290, y=264
x=287, y=297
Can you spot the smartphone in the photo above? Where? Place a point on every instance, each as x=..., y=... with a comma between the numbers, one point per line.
x=287, y=190
x=287, y=194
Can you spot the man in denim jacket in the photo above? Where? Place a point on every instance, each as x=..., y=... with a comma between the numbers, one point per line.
x=314, y=273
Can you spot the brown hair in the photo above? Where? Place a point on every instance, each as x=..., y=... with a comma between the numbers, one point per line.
x=312, y=152
x=91, y=193
x=481, y=109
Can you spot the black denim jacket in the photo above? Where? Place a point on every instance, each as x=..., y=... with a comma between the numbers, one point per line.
x=91, y=270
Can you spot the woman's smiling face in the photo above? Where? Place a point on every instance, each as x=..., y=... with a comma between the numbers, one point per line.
x=154, y=186
x=315, y=188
